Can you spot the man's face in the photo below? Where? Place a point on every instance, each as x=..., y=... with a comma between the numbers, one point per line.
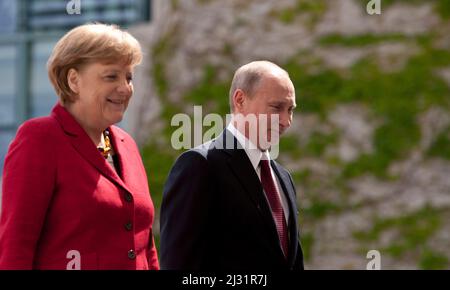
x=272, y=103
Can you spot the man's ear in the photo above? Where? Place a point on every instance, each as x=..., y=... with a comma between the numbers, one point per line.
x=73, y=80
x=239, y=99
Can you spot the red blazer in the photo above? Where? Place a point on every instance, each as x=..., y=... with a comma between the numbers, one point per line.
x=61, y=195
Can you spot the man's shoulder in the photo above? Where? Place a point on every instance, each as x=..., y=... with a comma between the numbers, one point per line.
x=201, y=154
x=282, y=169
x=193, y=157
x=202, y=149
x=208, y=148
x=279, y=166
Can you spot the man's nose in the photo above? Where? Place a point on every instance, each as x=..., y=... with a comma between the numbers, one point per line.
x=285, y=120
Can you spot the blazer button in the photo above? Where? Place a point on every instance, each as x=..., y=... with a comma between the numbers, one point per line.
x=128, y=197
x=129, y=226
x=131, y=255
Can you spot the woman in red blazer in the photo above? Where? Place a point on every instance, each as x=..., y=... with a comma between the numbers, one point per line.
x=75, y=192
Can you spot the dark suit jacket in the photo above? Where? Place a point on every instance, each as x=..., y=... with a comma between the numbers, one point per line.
x=214, y=214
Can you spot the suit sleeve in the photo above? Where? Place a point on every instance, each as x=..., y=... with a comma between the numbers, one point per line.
x=184, y=214
x=28, y=184
x=298, y=263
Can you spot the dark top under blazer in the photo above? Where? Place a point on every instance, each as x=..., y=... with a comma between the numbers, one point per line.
x=214, y=214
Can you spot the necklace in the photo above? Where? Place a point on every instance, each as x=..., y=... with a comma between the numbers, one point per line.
x=106, y=149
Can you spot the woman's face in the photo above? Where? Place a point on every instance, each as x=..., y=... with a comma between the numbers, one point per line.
x=103, y=92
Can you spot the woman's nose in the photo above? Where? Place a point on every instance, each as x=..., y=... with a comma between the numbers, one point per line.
x=125, y=88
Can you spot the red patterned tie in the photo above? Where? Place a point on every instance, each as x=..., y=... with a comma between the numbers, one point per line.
x=273, y=197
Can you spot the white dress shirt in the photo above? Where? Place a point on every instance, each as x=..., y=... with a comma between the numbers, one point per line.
x=255, y=155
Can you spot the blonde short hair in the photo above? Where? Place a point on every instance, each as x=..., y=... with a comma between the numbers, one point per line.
x=86, y=44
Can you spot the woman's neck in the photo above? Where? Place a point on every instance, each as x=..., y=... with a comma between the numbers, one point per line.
x=94, y=132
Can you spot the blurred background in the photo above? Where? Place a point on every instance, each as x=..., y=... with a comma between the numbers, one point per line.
x=369, y=147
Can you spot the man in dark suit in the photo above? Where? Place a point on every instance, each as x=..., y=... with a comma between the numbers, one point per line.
x=226, y=204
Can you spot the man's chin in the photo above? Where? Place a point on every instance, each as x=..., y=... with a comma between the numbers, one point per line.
x=264, y=146
x=274, y=139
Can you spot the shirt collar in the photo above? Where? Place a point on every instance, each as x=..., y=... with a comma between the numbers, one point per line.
x=254, y=154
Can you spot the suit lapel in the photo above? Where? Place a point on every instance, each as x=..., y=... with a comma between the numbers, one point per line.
x=289, y=192
x=84, y=145
x=121, y=149
x=243, y=170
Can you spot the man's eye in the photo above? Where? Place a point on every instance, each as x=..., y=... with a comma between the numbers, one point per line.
x=111, y=77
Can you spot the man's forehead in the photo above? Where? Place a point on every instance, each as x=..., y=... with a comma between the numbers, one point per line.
x=278, y=82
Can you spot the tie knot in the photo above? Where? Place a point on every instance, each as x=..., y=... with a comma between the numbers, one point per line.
x=265, y=166
x=264, y=162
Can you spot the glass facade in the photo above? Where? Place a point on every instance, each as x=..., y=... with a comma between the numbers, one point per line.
x=8, y=16
x=52, y=14
x=7, y=77
x=43, y=96
x=28, y=31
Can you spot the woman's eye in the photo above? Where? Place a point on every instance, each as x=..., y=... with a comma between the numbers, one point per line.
x=111, y=77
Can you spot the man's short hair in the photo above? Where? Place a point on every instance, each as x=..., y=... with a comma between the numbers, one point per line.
x=248, y=77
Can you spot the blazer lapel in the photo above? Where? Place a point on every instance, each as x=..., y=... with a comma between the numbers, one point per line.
x=121, y=149
x=243, y=170
x=285, y=182
x=84, y=145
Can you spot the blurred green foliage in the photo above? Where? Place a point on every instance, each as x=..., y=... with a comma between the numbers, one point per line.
x=210, y=93
x=394, y=97
x=307, y=240
x=412, y=231
x=311, y=9
x=441, y=146
x=359, y=40
x=442, y=7
x=431, y=260
x=320, y=208
x=158, y=162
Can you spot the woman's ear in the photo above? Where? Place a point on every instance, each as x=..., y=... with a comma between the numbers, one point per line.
x=73, y=79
